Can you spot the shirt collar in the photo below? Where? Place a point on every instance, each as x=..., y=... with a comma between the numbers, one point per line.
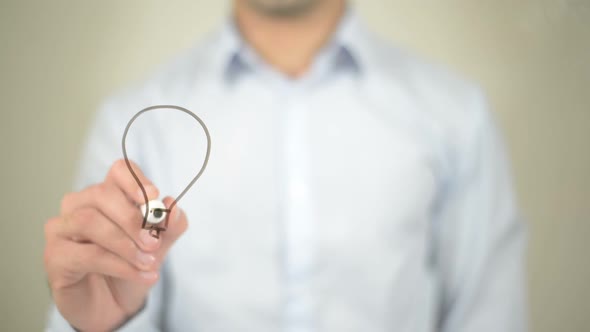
x=344, y=49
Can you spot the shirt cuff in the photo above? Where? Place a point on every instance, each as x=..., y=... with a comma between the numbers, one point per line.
x=141, y=321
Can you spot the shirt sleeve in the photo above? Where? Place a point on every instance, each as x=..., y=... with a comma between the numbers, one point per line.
x=481, y=239
x=146, y=320
x=102, y=148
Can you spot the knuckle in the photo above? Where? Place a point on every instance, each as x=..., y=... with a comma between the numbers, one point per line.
x=66, y=201
x=56, y=262
x=89, y=254
x=117, y=170
x=119, y=165
x=96, y=252
x=120, y=243
x=123, y=270
x=51, y=258
x=125, y=247
x=76, y=261
x=84, y=218
x=81, y=215
x=98, y=190
x=130, y=214
x=111, y=264
x=50, y=228
x=128, y=246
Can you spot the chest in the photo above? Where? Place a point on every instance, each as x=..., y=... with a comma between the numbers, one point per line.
x=369, y=174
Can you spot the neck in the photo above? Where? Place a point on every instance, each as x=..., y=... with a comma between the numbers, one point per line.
x=289, y=44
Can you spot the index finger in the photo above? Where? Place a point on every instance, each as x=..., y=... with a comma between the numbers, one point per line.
x=120, y=175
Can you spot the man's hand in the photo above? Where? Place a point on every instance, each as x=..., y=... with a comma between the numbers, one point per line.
x=99, y=261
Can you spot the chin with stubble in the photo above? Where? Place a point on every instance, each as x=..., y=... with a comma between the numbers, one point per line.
x=283, y=8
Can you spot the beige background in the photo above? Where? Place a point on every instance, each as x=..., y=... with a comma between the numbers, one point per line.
x=60, y=58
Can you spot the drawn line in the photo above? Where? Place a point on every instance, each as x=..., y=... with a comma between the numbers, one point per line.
x=186, y=189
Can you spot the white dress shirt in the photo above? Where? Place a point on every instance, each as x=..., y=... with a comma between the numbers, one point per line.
x=372, y=194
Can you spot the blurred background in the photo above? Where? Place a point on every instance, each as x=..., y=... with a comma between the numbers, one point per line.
x=59, y=59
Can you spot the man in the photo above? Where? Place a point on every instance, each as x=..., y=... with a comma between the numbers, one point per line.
x=351, y=187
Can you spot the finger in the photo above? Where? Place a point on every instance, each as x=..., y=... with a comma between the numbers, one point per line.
x=110, y=200
x=122, y=177
x=107, y=197
x=72, y=261
x=177, y=225
x=89, y=225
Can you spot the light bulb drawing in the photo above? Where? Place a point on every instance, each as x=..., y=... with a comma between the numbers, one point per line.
x=155, y=213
